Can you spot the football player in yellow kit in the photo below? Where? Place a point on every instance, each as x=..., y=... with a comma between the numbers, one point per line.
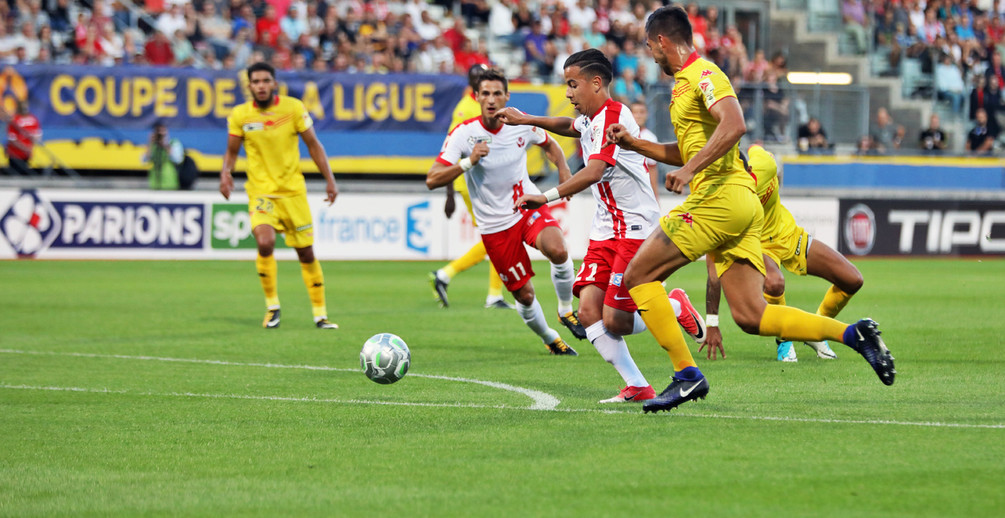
x=721, y=216
x=784, y=243
x=270, y=127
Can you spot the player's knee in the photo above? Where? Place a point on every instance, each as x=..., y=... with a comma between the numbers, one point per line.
x=748, y=320
x=556, y=252
x=853, y=283
x=774, y=286
x=589, y=315
x=306, y=255
x=619, y=326
x=524, y=296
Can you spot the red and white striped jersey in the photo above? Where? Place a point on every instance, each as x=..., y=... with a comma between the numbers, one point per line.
x=500, y=177
x=626, y=204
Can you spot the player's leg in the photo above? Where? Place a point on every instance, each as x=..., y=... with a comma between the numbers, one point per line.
x=546, y=236
x=824, y=262
x=440, y=278
x=774, y=293
x=295, y=216
x=265, y=264
x=508, y=254
x=494, y=298
x=612, y=347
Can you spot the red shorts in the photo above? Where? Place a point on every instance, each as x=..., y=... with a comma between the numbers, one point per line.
x=604, y=266
x=506, y=249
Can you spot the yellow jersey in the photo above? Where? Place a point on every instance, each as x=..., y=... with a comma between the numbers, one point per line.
x=272, y=143
x=778, y=221
x=697, y=87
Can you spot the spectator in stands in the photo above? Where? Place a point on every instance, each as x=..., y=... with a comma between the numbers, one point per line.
x=949, y=85
x=165, y=156
x=626, y=89
x=995, y=68
x=886, y=134
x=866, y=145
x=855, y=23
x=776, y=109
x=158, y=50
x=23, y=132
x=171, y=20
x=755, y=71
x=981, y=139
x=986, y=95
x=812, y=138
x=533, y=47
x=182, y=49
x=933, y=140
x=582, y=14
x=267, y=28
x=292, y=24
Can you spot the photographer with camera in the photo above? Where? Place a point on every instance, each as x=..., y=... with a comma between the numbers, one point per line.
x=165, y=156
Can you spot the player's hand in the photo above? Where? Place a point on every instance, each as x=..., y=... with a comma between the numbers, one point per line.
x=618, y=135
x=332, y=191
x=677, y=180
x=512, y=116
x=713, y=341
x=226, y=184
x=530, y=202
x=481, y=149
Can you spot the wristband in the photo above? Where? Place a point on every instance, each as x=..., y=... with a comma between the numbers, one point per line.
x=711, y=320
x=465, y=164
x=551, y=194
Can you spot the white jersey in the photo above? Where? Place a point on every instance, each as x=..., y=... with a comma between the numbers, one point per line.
x=626, y=204
x=500, y=177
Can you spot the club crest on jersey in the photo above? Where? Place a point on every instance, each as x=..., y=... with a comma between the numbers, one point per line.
x=686, y=218
x=533, y=217
x=253, y=126
x=520, y=142
x=616, y=279
x=479, y=138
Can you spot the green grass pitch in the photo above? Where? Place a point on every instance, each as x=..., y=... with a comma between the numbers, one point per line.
x=149, y=388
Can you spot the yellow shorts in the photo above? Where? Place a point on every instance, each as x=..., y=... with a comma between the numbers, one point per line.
x=291, y=216
x=724, y=220
x=461, y=187
x=789, y=251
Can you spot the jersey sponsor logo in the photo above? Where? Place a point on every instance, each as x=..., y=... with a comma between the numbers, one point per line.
x=302, y=228
x=479, y=138
x=616, y=280
x=253, y=126
x=860, y=229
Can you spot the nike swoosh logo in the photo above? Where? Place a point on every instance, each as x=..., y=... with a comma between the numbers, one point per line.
x=631, y=397
x=621, y=298
x=684, y=393
x=640, y=310
x=700, y=333
x=550, y=220
x=859, y=333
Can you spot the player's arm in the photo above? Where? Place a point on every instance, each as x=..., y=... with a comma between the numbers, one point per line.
x=668, y=153
x=727, y=133
x=558, y=125
x=442, y=173
x=450, y=205
x=317, y=151
x=713, y=293
x=579, y=182
x=229, y=159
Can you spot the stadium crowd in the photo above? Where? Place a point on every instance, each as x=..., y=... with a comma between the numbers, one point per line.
x=529, y=39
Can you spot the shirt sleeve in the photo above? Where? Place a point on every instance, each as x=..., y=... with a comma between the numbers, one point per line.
x=598, y=127
x=301, y=118
x=713, y=87
x=234, y=126
x=453, y=147
x=538, y=136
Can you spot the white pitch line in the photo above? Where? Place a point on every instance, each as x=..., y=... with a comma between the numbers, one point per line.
x=635, y=409
x=542, y=400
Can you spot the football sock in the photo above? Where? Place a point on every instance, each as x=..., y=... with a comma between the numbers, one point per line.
x=834, y=301
x=676, y=307
x=658, y=314
x=533, y=316
x=689, y=374
x=563, y=276
x=614, y=350
x=495, y=283
x=639, y=326
x=778, y=301
x=470, y=258
x=266, y=267
x=315, y=282
x=795, y=324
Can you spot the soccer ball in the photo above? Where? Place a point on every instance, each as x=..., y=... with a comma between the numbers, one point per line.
x=385, y=358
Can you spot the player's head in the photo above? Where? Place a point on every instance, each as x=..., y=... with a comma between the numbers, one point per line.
x=474, y=73
x=587, y=75
x=262, y=83
x=641, y=113
x=668, y=32
x=492, y=92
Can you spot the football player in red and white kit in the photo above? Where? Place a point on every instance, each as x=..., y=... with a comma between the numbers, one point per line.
x=627, y=211
x=494, y=158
